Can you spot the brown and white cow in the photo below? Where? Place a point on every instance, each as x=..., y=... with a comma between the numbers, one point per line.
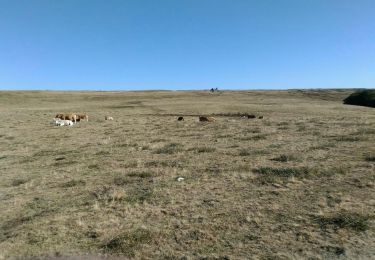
x=67, y=116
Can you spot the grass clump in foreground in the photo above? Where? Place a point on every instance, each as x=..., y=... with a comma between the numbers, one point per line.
x=272, y=175
x=128, y=242
x=284, y=158
x=370, y=158
x=203, y=149
x=354, y=221
x=169, y=149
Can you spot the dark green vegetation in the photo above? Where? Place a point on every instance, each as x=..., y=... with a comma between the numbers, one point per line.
x=297, y=184
x=362, y=98
x=355, y=221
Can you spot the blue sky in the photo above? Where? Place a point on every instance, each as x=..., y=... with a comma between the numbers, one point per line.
x=186, y=44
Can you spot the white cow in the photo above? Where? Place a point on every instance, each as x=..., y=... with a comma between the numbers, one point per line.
x=60, y=122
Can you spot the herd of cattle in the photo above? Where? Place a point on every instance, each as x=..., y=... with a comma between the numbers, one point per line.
x=69, y=119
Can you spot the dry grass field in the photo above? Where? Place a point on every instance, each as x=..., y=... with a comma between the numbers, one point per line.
x=297, y=184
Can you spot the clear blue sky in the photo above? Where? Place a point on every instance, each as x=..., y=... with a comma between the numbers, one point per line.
x=186, y=44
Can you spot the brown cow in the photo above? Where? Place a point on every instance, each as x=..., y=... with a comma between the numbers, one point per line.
x=260, y=117
x=251, y=116
x=82, y=117
x=206, y=119
x=180, y=118
x=67, y=116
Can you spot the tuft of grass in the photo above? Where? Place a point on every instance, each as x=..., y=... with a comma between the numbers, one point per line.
x=202, y=149
x=324, y=146
x=347, y=220
x=140, y=194
x=284, y=158
x=128, y=242
x=173, y=164
x=17, y=182
x=284, y=172
x=351, y=138
x=244, y=152
x=370, y=158
x=143, y=174
x=273, y=175
x=248, y=152
x=73, y=183
x=107, y=194
x=254, y=137
x=94, y=166
x=169, y=149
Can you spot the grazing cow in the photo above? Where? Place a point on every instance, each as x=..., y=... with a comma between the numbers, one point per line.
x=206, y=119
x=108, y=118
x=251, y=116
x=67, y=116
x=260, y=117
x=82, y=117
x=180, y=118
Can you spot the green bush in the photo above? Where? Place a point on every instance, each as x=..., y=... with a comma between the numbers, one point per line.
x=362, y=98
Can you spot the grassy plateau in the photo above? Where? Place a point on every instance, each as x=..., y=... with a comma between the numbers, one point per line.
x=297, y=184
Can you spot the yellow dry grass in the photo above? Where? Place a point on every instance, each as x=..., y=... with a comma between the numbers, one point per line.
x=298, y=183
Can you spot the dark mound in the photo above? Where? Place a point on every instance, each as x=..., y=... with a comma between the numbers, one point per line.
x=362, y=98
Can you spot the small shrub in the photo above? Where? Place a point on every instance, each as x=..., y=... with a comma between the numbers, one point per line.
x=354, y=221
x=370, y=158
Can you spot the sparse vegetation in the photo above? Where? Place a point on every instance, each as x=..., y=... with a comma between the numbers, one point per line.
x=249, y=190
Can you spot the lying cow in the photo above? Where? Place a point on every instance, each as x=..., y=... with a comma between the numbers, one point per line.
x=180, y=118
x=60, y=122
x=108, y=118
x=206, y=119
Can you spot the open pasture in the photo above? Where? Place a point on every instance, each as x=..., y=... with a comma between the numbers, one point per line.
x=298, y=183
